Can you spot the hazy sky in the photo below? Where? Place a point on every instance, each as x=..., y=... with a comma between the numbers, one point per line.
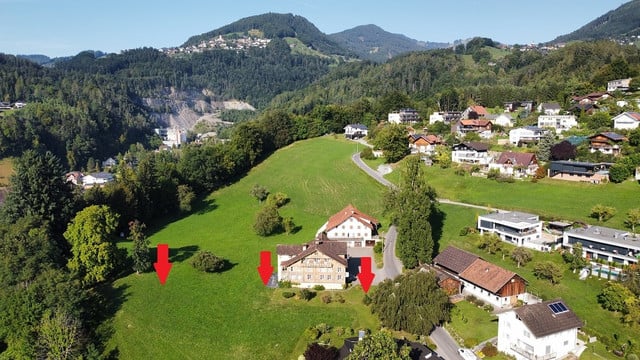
x=66, y=27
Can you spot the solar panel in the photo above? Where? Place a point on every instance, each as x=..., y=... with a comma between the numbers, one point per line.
x=558, y=307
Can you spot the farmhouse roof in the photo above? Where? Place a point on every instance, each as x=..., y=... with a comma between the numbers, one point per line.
x=475, y=122
x=475, y=145
x=542, y=320
x=487, y=275
x=611, y=136
x=334, y=250
x=454, y=259
x=479, y=109
x=517, y=159
x=348, y=212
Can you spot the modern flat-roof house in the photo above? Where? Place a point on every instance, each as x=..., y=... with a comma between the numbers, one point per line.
x=559, y=123
x=607, y=143
x=318, y=262
x=627, y=120
x=471, y=152
x=579, y=171
x=352, y=227
x=447, y=117
x=598, y=242
x=172, y=137
x=543, y=331
x=526, y=135
x=619, y=84
x=404, y=116
x=517, y=228
x=484, y=280
x=354, y=131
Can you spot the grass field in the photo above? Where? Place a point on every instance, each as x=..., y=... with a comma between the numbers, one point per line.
x=6, y=170
x=231, y=314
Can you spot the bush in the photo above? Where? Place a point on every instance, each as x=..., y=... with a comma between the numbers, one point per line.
x=268, y=221
x=318, y=287
x=493, y=174
x=377, y=248
x=470, y=342
x=326, y=299
x=471, y=298
x=207, y=261
x=288, y=294
x=311, y=333
x=468, y=230
x=632, y=357
x=366, y=300
x=367, y=153
x=505, y=179
x=489, y=350
x=460, y=171
x=306, y=294
x=488, y=308
x=339, y=298
x=284, y=284
x=278, y=199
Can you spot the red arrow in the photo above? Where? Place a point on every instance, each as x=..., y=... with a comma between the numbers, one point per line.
x=163, y=266
x=265, y=269
x=365, y=276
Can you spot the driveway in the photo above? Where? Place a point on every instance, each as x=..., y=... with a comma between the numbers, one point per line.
x=392, y=266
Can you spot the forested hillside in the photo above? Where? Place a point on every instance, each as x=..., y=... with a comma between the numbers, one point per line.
x=616, y=24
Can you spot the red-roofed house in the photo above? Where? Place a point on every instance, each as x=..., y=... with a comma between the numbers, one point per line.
x=627, y=120
x=481, y=126
x=516, y=164
x=319, y=262
x=425, y=144
x=352, y=227
x=479, y=110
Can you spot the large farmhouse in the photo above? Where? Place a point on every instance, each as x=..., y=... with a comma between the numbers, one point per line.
x=352, y=227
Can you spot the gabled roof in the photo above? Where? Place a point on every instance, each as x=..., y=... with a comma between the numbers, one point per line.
x=102, y=175
x=431, y=139
x=541, y=320
x=454, y=259
x=357, y=126
x=518, y=159
x=550, y=106
x=632, y=114
x=334, y=250
x=348, y=212
x=487, y=275
x=475, y=145
x=475, y=122
x=479, y=109
x=611, y=136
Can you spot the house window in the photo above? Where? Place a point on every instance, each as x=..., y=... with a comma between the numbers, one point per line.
x=526, y=333
x=339, y=277
x=328, y=277
x=321, y=277
x=566, y=342
x=339, y=269
x=308, y=276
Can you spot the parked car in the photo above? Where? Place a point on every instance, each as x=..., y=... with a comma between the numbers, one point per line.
x=467, y=354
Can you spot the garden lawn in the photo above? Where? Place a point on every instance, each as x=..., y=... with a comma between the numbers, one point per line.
x=231, y=314
x=472, y=323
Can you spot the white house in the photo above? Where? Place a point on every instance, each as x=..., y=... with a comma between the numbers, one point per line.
x=598, y=242
x=436, y=117
x=404, y=116
x=518, y=228
x=546, y=330
x=353, y=131
x=627, y=120
x=504, y=120
x=516, y=164
x=471, y=152
x=549, y=108
x=352, y=227
x=619, y=84
x=172, y=137
x=527, y=134
x=99, y=179
x=558, y=122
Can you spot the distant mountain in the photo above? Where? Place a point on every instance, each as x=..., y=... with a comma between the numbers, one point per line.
x=374, y=43
x=46, y=61
x=619, y=23
x=273, y=25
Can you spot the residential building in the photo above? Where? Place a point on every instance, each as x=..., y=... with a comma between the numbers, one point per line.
x=526, y=135
x=517, y=228
x=447, y=117
x=595, y=173
x=74, y=177
x=172, y=137
x=619, y=84
x=404, y=116
x=504, y=120
x=598, y=242
x=424, y=144
x=516, y=164
x=471, y=152
x=5, y=106
x=484, y=280
x=627, y=121
x=542, y=331
x=591, y=98
x=481, y=126
x=354, y=131
x=475, y=112
x=559, y=123
x=319, y=262
x=549, y=108
x=351, y=226
x=587, y=108
x=109, y=163
x=98, y=178
x=607, y=143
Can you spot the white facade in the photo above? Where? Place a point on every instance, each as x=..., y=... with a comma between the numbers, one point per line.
x=436, y=117
x=99, y=179
x=558, y=122
x=517, y=228
x=612, y=245
x=403, y=116
x=355, y=130
x=351, y=231
x=515, y=338
x=525, y=135
x=626, y=121
x=504, y=120
x=619, y=84
x=172, y=137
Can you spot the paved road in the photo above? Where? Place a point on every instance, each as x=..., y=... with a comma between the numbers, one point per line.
x=446, y=346
x=392, y=265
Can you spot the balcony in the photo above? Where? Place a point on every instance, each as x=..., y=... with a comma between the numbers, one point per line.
x=531, y=356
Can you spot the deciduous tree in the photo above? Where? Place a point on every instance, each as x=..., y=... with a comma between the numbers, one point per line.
x=392, y=139
x=602, y=212
x=633, y=219
x=140, y=255
x=380, y=345
x=268, y=221
x=548, y=270
x=521, y=256
x=613, y=296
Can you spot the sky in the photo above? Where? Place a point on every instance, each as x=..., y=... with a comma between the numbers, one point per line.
x=67, y=27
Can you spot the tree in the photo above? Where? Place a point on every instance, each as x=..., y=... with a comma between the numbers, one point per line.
x=412, y=302
x=521, y=255
x=316, y=351
x=412, y=208
x=564, y=150
x=633, y=219
x=268, y=221
x=544, y=146
x=602, y=213
x=259, y=192
x=140, y=255
x=613, y=296
x=392, y=139
x=489, y=242
x=288, y=225
x=186, y=197
x=59, y=336
x=618, y=173
x=548, y=270
x=380, y=345
x=93, y=251
x=574, y=257
x=278, y=199
x=208, y=262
